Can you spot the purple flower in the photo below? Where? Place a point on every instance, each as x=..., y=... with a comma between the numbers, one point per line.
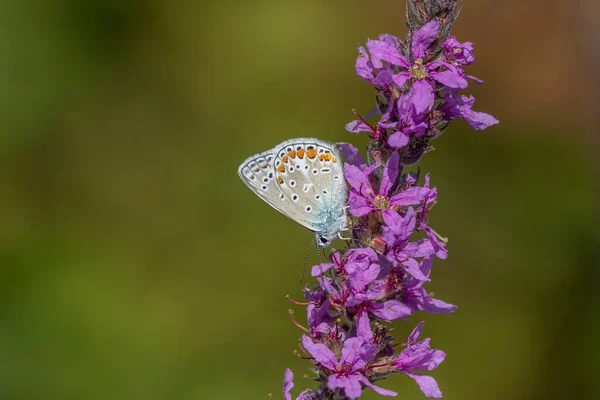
x=400, y=250
x=457, y=53
x=336, y=297
x=387, y=310
x=288, y=385
x=364, y=199
x=460, y=107
x=417, y=298
x=419, y=356
x=360, y=265
x=380, y=75
x=348, y=372
x=438, y=243
x=421, y=76
x=410, y=123
x=320, y=319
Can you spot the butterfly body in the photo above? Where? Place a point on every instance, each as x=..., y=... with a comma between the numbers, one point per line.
x=302, y=178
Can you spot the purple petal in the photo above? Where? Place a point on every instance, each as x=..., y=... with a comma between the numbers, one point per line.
x=389, y=110
x=450, y=78
x=378, y=389
x=422, y=95
x=390, y=310
x=392, y=40
x=423, y=38
x=358, y=180
x=320, y=353
x=402, y=227
x=476, y=79
x=400, y=78
x=357, y=126
x=364, y=67
x=438, y=246
x=420, y=248
x=363, y=328
x=428, y=385
x=359, y=205
x=350, y=384
x=369, y=169
x=320, y=269
x=410, y=196
x=306, y=394
x=352, y=155
x=432, y=305
x=414, y=335
x=479, y=120
x=426, y=265
x=361, y=278
x=364, y=256
x=412, y=267
x=398, y=140
x=388, y=125
x=390, y=173
x=318, y=314
x=351, y=352
x=328, y=287
x=381, y=50
x=373, y=292
x=288, y=384
x=435, y=359
x=384, y=78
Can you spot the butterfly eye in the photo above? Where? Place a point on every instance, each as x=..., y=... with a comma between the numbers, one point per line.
x=323, y=240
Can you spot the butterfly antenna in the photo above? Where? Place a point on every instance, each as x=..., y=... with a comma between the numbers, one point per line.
x=306, y=258
x=319, y=259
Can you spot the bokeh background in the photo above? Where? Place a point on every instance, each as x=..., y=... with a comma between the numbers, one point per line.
x=136, y=265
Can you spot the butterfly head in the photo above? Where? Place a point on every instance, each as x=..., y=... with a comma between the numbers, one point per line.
x=322, y=240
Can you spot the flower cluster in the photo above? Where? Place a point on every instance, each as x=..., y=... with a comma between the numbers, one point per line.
x=380, y=276
x=418, y=88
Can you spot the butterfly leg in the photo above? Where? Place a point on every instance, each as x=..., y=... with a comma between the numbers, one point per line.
x=343, y=238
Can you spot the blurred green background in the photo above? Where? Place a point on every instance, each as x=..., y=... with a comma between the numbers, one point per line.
x=136, y=265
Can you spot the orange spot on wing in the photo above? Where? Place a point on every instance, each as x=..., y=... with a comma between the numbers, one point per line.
x=311, y=153
x=300, y=153
x=265, y=165
x=281, y=168
x=279, y=179
x=292, y=154
x=334, y=159
x=284, y=158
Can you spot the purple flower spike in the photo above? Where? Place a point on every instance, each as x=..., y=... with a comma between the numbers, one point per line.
x=380, y=276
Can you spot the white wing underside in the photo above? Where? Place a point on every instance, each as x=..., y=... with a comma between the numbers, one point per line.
x=302, y=178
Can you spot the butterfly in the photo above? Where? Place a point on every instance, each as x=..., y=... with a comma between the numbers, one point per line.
x=303, y=179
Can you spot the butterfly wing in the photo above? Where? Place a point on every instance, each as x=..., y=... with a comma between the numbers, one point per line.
x=301, y=178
